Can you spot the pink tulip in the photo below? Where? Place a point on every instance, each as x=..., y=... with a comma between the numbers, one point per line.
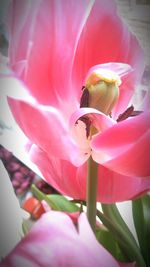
x=54, y=241
x=54, y=46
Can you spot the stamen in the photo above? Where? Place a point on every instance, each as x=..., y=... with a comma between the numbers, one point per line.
x=88, y=123
x=84, y=101
x=129, y=112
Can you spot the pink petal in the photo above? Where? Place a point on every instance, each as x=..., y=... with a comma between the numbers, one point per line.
x=43, y=37
x=121, y=69
x=106, y=38
x=45, y=127
x=88, y=238
x=54, y=241
x=71, y=181
x=100, y=120
x=126, y=146
x=61, y=174
x=78, y=130
x=114, y=187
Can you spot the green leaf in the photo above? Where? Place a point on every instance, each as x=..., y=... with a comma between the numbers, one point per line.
x=127, y=245
x=106, y=238
x=63, y=204
x=141, y=216
x=112, y=212
x=55, y=201
x=27, y=225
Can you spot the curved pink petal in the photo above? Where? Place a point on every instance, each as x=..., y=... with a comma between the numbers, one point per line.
x=105, y=38
x=88, y=238
x=43, y=38
x=126, y=146
x=61, y=174
x=99, y=119
x=114, y=187
x=54, y=241
x=45, y=127
x=133, y=162
x=79, y=129
x=121, y=69
x=71, y=180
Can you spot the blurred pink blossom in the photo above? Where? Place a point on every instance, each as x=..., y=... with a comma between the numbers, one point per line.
x=55, y=241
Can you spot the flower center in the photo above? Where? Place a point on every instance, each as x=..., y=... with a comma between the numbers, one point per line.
x=101, y=90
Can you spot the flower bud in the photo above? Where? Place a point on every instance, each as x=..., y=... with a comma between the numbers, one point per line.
x=103, y=89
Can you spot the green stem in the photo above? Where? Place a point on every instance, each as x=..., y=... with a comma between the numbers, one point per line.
x=92, y=178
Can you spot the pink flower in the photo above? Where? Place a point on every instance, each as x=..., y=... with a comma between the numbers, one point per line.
x=54, y=241
x=54, y=46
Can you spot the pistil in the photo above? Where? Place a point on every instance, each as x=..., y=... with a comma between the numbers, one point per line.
x=101, y=92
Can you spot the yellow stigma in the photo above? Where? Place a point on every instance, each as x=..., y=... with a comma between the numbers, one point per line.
x=103, y=86
x=105, y=75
